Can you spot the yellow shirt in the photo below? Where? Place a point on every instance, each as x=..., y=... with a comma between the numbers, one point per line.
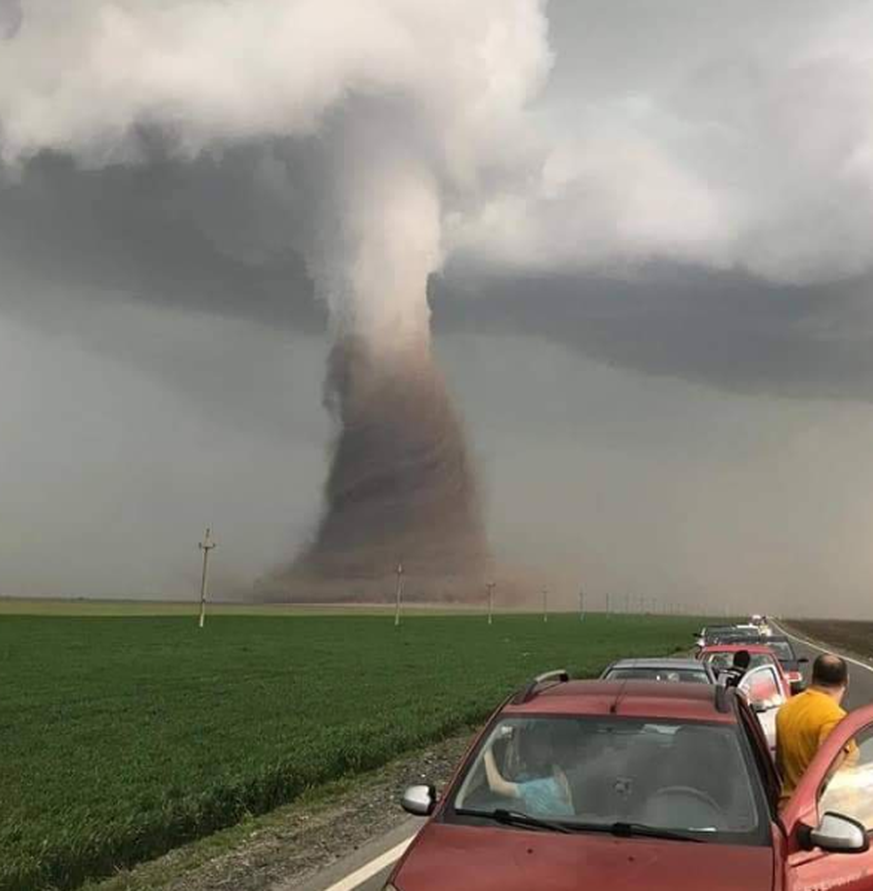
x=802, y=725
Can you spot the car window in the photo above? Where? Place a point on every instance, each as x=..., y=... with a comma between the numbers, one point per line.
x=782, y=649
x=693, y=777
x=683, y=675
x=848, y=789
x=761, y=687
x=726, y=660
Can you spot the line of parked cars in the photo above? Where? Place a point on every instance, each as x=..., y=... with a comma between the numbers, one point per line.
x=658, y=775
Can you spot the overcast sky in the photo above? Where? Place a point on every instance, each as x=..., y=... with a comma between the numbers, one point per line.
x=653, y=299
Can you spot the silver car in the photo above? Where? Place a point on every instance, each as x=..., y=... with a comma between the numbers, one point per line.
x=688, y=671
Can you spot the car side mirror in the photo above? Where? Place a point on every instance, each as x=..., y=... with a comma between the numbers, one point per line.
x=839, y=834
x=419, y=800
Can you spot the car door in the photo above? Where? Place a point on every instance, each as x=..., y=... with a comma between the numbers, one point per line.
x=763, y=691
x=838, y=782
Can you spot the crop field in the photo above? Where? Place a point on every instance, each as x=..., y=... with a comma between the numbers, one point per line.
x=122, y=737
x=856, y=637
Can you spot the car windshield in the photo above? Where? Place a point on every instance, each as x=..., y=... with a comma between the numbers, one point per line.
x=598, y=772
x=782, y=649
x=726, y=659
x=653, y=673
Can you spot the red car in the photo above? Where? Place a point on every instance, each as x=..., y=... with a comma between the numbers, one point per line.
x=636, y=785
x=721, y=656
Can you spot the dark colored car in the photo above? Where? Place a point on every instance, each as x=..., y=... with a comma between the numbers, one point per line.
x=712, y=634
x=781, y=646
x=632, y=785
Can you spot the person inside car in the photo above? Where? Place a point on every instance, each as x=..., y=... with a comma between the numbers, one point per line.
x=541, y=785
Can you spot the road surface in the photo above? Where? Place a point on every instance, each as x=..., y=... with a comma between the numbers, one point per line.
x=368, y=868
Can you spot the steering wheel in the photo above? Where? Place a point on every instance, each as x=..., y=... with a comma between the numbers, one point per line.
x=690, y=792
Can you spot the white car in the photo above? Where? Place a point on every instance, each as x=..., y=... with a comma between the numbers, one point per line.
x=762, y=689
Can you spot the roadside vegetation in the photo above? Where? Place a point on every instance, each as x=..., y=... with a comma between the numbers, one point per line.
x=124, y=737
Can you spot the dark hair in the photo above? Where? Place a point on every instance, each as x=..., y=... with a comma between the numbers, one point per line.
x=829, y=670
x=742, y=658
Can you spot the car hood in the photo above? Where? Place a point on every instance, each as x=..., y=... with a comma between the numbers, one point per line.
x=484, y=858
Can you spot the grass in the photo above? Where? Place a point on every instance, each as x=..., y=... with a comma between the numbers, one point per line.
x=855, y=637
x=124, y=737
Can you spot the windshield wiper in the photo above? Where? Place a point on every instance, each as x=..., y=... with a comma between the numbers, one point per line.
x=515, y=818
x=624, y=830
x=628, y=830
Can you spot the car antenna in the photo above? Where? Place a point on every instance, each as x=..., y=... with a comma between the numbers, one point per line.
x=613, y=708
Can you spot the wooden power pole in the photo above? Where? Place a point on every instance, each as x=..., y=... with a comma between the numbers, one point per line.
x=399, y=598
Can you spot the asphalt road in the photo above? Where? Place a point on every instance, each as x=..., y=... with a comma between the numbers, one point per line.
x=354, y=874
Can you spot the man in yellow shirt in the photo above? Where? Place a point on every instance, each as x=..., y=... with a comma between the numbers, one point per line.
x=805, y=721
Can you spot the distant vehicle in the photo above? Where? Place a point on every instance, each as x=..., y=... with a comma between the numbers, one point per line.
x=762, y=624
x=711, y=633
x=632, y=784
x=732, y=634
x=688, y=671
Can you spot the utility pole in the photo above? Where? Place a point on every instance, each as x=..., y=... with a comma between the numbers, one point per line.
x=607, y=605
x=581, y=604
x=399, y=594
x=206, y=546
x=490, y=587
x=545, y=604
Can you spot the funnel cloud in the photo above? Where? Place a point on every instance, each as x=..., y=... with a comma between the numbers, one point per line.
x=401, y=489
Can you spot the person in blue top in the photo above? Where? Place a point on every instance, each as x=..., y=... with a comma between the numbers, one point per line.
x=542, y=787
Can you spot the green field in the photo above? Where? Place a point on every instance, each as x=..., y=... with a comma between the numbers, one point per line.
x=123, y=737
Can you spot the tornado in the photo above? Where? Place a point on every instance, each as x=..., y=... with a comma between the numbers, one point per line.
x=401, y=489
x=377, y=129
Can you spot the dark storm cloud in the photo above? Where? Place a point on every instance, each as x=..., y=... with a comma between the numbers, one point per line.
x=719, y=162
x=202, y=236
x=724, y=329
x=193, y=236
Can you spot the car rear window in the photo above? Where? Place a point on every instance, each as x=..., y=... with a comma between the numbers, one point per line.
x=680, y=675
x=726, y=659
x=782, y=649
x=695, y=778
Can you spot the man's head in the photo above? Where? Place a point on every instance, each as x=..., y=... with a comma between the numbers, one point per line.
x=830, y=674
x=742, y=658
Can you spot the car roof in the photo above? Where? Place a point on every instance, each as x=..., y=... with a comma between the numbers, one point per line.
x=685, y=664
x=630, y=698
x=737, y=647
